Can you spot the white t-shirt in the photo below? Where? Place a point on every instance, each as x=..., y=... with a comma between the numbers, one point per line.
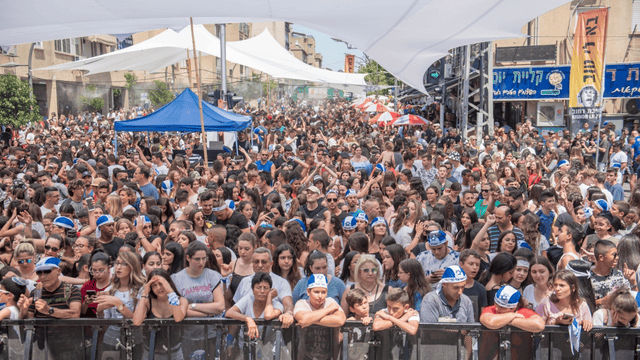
x=246, y=306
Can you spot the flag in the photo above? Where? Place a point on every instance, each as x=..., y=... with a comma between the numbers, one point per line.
x=587, y=67
x=349, y=61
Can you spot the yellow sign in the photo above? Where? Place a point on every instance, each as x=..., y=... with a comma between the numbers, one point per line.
x=587, y=65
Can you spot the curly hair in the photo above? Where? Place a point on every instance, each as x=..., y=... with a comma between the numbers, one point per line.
x=296, y=237
x=530, y=230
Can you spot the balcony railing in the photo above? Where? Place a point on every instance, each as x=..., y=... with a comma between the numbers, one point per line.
x=199, y=339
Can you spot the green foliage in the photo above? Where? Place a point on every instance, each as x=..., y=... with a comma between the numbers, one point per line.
x=117, y=92
x=131, y=80
x=91, y=87
x=92, y=104
x=270, y=85
x=161, y=94
x=17, y=106
x=377, y=75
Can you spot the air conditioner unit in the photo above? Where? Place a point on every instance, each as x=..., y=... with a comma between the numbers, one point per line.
x=632, y=106
x=77, y=58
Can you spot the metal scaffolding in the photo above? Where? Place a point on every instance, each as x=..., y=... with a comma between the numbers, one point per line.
x=483, y=87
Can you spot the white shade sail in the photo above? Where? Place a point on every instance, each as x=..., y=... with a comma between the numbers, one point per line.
x=405, y=37
x=262, y=53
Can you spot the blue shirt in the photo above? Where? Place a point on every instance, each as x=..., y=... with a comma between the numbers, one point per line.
x=150, y=190
x=546, y=221
x=266, y=167
x=616, y=190
x=335, y=289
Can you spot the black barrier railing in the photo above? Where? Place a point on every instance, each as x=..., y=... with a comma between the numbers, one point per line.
x=200, y=339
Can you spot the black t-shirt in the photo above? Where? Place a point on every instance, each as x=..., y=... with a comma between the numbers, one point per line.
x=113, y=247
x=236, y=219
x=312, y=214
x=478, y=295
x=264, y=198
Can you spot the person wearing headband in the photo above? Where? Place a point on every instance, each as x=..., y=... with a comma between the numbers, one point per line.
x=435, y=261
x=352, y=200
x=448, y=303
x=508, y=309
x=226, y=216
x=520, y=274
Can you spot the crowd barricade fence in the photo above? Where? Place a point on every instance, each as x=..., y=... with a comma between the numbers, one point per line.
x=221, y=339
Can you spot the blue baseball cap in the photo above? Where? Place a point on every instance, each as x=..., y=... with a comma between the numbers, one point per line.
x=48, y=263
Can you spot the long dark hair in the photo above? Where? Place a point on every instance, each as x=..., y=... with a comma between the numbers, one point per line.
x=574, y=299
x=294, y=274
x=178, y=257
x=164, y=274
x=417, y=280
x=313, y=256
x=346, y=268
x=501, y=264
x=585, y=288
x=397, y=253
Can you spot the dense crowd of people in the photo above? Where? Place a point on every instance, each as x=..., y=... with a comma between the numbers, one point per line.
x=316, y=217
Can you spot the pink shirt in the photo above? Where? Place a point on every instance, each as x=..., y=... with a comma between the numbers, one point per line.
x=549, y=312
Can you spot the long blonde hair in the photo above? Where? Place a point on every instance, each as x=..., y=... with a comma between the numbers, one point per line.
x=114, y=205
x=136, y=280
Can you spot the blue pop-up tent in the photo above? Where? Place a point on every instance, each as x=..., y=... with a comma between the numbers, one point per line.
x=183, y=114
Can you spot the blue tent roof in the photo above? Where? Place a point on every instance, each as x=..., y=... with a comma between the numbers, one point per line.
x=183, y=114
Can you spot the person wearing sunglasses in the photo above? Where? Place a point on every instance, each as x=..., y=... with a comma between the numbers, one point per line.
x=25, y=257
x=53, y=298
x=368, y=278
x=332, y=204
x=53, y=246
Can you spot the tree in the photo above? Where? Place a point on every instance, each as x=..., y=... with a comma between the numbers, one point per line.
x=161, y=94
x=131, y=81
x=377, y=75
x=17, y=106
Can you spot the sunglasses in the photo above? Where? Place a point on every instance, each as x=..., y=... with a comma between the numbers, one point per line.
x=373, y=270
x=49, y=247
x=46, y=272
x=332, y=200
x=28, y=261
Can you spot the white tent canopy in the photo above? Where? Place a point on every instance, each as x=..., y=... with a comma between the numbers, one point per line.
x=405, y=37
x=262, y=53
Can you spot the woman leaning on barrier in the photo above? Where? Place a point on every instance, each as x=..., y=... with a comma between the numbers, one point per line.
x=623, y=313
x=565, y=304
x=258, y=305
x=160, y=300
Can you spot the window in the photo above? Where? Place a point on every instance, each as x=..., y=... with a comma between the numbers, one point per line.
x=218, y=66
x=38, y=45
x=69, y=46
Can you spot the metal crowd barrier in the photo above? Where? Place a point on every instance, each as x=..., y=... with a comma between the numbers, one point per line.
x=221, y=339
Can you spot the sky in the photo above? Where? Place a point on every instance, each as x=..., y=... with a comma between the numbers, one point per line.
x=332, y=51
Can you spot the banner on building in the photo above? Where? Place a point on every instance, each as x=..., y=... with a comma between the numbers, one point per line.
x=349, y=63
x=552, y=82
x=586, y=82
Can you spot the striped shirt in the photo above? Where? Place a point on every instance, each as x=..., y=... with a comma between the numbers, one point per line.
x=494, y=234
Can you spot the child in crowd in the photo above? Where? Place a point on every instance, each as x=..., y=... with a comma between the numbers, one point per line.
x=358, y=305
x=398, y=313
